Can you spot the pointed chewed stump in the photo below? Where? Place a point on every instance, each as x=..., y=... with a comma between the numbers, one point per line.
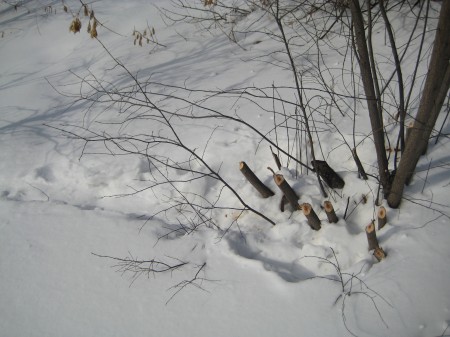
x=311, y=216
x=328, y=174
x=254, y=180
x=329, y=210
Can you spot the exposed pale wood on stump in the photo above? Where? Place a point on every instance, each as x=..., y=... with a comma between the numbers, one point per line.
x=329, y=210
x=372, y=236
x=311, y=216
x=382, y=219
x=379, y=254
x=287, y=190
x=253, y=179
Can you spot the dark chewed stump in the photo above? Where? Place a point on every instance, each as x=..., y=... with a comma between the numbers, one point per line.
x=328, y=174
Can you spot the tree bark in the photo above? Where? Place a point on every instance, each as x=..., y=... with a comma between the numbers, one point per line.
x=329, y=210
x=287, y=190
x=253, y=179
x=433, y=95
x=375, y=114
x=311, y=216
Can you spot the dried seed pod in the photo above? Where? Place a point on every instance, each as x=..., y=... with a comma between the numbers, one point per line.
x=86, y=11
x=92, y=15
x=89, y=27
x=65, y=8
x=94, y=30
x=140, y=40
x=75, y=26
x=153, y=30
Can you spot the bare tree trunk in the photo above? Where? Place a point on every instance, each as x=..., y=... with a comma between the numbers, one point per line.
x=375, y=115
x=433, y=95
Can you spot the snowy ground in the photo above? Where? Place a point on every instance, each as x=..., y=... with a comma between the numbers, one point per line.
x=257, y=279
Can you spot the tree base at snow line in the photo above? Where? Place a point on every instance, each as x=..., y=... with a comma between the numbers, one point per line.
x=372, y=237
x=253, y=179
x=328, y=174
x=311, y=216
x=361, y=170
x=382, y=219
x=329, y=210
x=287, y=190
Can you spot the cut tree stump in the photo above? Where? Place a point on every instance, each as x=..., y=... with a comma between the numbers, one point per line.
x=287, y=190
x=382, y=219
x=379, y=254
x=253, y=179
x=311, y=216
x=329, y=210
x=372, y=236
x=328, y=174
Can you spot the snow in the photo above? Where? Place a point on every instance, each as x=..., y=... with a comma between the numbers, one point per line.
x=59, y=209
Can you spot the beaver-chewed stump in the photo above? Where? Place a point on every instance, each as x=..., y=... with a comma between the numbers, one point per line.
x=328, y=175
x=372, y=236
x=382, y=219
x=287, y=190
x=254, y=180
x=311, y=216
x=329, y=210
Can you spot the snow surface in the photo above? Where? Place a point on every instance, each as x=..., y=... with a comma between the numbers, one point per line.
x=257, y=279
